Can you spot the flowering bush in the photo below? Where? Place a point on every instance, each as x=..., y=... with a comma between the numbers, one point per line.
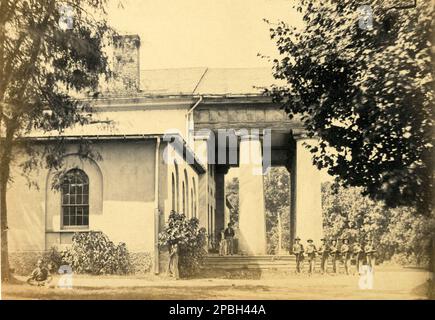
x=191, y=241
x=93, y=252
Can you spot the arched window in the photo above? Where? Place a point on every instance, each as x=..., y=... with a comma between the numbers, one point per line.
x=192, y=202
x=177, y=191
x=75, y=199
x=173, y=192
x=194, y=197
x=184, y=198
x=186, y=194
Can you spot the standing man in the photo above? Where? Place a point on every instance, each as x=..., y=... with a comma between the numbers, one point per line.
x=222, y=243
x=357, y=251
x=229, y=237
x=333, y=252
x=298, y=251
x=323, y=252
x=369, y=251
x=311, y=253
x=345, y=254
x=173, y=270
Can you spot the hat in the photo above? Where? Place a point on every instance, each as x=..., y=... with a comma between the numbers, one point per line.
x=310, y=240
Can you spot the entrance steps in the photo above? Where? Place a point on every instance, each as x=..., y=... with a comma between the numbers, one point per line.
x=262, y=262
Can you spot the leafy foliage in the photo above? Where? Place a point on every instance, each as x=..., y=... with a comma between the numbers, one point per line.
x=93, y=253
x=367, y=93
x=45, y=72
x=191, y=241
x=399, y=233
x=232, y=191
x=142, y=262
x=53, y=258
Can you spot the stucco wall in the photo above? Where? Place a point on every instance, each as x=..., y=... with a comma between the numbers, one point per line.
x=26, y=210
x=121, y=199
x=177, y=167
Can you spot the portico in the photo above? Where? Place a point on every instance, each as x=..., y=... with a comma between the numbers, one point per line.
x=251, y=134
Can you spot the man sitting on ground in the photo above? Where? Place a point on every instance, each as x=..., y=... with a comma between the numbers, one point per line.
x=40, y=275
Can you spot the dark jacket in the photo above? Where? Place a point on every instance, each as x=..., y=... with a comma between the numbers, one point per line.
x=229, y=232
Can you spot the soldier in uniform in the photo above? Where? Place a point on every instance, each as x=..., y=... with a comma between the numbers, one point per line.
x=298, y=251
x=323, y=252
x=369, y=251
x=311, y=254
x=345, y=254
x=358, y=255
x=333, y=253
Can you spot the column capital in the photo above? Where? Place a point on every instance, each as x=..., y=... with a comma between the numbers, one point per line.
x=203, y=135
x=244, y=134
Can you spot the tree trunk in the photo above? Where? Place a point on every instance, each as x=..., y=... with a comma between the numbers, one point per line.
x=5, y=161
x=279, y=234
x=5, y=274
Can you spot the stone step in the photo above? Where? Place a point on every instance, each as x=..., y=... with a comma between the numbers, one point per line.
x=251, y=258
x=238, y=262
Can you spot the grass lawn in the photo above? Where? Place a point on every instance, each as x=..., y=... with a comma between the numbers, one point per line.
x=389, y=283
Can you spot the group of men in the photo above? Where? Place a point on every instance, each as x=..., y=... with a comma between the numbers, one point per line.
x=361, y=253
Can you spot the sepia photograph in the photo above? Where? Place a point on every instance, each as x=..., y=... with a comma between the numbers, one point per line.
x=235, y=151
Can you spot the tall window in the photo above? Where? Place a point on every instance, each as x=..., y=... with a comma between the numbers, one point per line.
x=194, y=197
x=75, y=199
x=186, y=195
x=192, y=203
x=173, y=192
x=177, y=191
x=184, y=198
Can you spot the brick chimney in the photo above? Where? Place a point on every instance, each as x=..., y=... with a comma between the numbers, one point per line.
x=126, y=62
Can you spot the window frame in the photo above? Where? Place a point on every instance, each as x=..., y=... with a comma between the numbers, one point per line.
x=82, y=205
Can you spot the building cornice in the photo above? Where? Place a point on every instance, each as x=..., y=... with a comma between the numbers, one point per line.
x=171, y=101
x=181, y=147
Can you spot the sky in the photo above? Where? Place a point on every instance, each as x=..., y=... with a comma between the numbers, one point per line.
x=201, y=33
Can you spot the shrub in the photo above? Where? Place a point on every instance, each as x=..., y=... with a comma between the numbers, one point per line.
x=141, y=262
x=93, y=252
x=191, y=240
x=22, y=263
x=53, y=258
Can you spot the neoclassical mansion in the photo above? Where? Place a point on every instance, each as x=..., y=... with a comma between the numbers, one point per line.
x=167, y=145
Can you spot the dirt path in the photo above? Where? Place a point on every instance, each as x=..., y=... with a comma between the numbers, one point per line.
x=388, y=284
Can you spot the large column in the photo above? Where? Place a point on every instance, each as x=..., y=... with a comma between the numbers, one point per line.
x=306, y=194
x=252, y=219
x=220, y=201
